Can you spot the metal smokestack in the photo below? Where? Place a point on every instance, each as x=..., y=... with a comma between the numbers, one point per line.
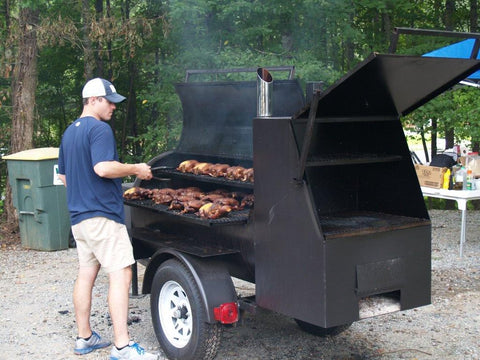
x=264, y=92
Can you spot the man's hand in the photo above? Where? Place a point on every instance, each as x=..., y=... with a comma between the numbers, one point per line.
x=144, y=171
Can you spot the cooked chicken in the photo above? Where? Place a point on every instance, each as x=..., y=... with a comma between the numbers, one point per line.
x=222, y=192
x=192, y=206
x=165, y=191
x=236, y=195
x=235, y=172
x=214, y=211
x=201, y=168
x=248, y=175
x=212, y=197
x=137, y=193
x=247, y=201
x=234, y=204
x=161, y=198
x=193, y=192
x=184, y=198
x=187, y=165
x=218, y=170
x=176, y=205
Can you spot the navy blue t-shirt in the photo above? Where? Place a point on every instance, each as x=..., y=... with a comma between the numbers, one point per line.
x=85, y=143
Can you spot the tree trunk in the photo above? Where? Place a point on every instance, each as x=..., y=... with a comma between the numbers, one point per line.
x=473, y=15
x=433, y=151
x=24, y=84
x=88, y=55
x=450, y=26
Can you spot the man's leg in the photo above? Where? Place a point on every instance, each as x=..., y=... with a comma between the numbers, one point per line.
x=118, y=294
x=82, y=298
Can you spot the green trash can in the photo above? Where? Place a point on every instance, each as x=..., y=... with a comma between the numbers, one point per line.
x=40, y=199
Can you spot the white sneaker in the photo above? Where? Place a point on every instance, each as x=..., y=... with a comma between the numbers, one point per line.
x=95, y=341
x=131, y=352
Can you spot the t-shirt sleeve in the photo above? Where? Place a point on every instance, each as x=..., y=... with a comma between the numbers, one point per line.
x=102, y=141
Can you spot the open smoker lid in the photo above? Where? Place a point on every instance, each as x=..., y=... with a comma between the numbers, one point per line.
x=217, y=116
x=391, y=85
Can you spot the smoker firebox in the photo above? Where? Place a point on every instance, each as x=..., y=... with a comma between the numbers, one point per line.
x=338, y=219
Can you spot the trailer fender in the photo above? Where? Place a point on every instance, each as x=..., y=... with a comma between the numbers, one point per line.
x=210, y=274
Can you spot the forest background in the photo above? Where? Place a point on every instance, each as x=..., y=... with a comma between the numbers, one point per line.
x=49, y=48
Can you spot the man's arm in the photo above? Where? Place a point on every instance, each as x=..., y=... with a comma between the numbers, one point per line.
x=115, y=169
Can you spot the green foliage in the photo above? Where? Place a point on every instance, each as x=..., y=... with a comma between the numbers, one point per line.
x=145, y=46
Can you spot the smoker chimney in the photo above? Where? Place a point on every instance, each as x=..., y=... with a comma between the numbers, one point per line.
x=264, y=92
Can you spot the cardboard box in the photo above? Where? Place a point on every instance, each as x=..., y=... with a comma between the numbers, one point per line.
x=430, y=176
x=473, y=163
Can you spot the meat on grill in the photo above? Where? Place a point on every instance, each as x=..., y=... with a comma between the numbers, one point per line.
x=247, y=201
x=187, y=166
x=162, y=196
x=192, y=206
x=191, y=192
x=229, y=201
x=137, y=193
x=223, y=192
x=216, y=170
x=176, y=205
x=212, y=197
x=214, y=211
x=235, y=172
x=159, y=198
x=201, y=168
x=191, y=200
x=248, y=175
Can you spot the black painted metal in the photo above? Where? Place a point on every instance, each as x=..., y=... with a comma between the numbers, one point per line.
x=338, y=215
x=430, y=32
x=217, y=116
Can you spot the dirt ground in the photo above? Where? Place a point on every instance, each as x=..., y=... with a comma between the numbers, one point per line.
x=37, y=319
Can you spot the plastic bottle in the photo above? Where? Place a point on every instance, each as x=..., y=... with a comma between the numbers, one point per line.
x=469, y=180
x=460, y=176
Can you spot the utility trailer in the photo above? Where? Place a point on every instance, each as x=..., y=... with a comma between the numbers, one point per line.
x=338, y=220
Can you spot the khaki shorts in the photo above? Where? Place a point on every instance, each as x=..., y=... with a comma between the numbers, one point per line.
x=103, y=241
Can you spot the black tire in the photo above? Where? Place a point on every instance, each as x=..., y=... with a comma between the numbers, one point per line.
x=179, y=316
x=320, y=331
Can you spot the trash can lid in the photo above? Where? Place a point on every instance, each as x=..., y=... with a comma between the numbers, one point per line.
x=34, y=154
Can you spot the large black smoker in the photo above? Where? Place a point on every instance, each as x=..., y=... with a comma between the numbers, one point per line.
x=339, y=220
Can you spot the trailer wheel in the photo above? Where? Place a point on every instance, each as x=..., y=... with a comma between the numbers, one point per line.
x=179, y=316
x=320, y=331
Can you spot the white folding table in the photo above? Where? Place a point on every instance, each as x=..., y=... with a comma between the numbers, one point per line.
x=461, y=197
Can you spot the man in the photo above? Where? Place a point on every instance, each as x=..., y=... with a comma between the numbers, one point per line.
x=89, y=168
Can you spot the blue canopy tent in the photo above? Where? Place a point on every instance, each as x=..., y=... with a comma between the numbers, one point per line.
x=466, y=49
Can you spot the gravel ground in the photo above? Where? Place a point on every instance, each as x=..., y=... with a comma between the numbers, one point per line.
x=37, y=320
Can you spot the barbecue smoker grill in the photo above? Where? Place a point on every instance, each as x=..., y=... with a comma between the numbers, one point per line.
x=339, y=221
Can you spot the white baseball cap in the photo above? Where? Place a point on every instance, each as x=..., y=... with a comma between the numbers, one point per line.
x=101, y=87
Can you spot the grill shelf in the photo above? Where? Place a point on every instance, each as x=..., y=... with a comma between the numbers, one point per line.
x=235, y=217
x=349, y=159
x=355, y=223
x=203, y=178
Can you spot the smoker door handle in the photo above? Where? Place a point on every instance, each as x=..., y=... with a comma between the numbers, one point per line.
x=307, y=139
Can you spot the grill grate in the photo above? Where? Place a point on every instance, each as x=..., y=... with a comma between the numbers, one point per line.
x=365, y=222
x=234, y=217
x=203, y=178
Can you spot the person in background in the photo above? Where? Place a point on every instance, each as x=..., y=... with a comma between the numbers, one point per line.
x=90, y=169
